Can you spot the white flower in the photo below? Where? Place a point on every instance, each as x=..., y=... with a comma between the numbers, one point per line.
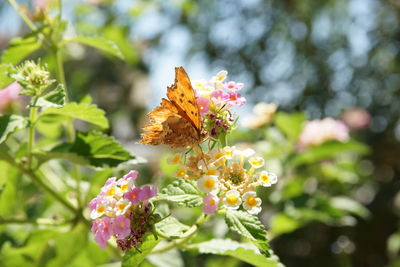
x=229, y=151
x=251, y=203
x=256, y=162
x=102, y=208
x=124, y=186
x=232, y=199
x=121, y=206
x=208, y=183
x=267, y=179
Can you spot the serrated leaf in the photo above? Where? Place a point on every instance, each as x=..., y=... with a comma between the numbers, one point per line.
x=85, y=112
x=171, y=227
x=248, y=226
x=100, y=43
x=93, y=149
x=290, y=124
x=10, y=124
x=133, y=257
x=19, y=48
x=242, y=251
x=182, y=192
x=55, y=98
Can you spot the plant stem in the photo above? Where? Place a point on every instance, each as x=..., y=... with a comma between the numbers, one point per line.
x=185, y=237
x=31, y=134
x=24, y=17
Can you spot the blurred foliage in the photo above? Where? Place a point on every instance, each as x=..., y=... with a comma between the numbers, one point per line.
x=335, y=206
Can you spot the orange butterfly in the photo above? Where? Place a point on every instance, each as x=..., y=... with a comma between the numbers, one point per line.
x=176, y=121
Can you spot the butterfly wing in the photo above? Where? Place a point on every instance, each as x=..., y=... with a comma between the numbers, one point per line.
x=166, y=126
x=181, y=94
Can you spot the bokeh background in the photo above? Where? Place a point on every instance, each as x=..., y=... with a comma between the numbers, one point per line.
x=320, y=57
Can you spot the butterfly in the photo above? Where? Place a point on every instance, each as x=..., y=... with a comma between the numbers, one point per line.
x=176, y=122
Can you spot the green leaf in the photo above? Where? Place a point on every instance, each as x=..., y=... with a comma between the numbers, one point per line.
x=55, y=98
x=99, y=43
x=75, y=240
x=92, y=148
x=171, y=227
x=10, y=124
x=5, y=79
x=281, y=224
x=349, y=205
x=133, y=257
x=248, y=226
x=290, y=124
x=242, y=251
x=182, y=192
x=328, y=150
x=86, y=112
x=19, y=49
x=170, y=258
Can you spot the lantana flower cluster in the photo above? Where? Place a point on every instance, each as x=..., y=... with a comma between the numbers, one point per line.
x=228, y=176
x=122, y=210
x=215, y=97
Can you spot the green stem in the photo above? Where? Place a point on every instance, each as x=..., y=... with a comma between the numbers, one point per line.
x=185, y=237
x=23, y=16
x=31, y=134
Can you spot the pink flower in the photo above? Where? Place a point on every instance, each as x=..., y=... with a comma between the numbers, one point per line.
x=235, y=99
x=219, y=97
x=9, y=94
x=130, y=175
x=317, y=132
x=121, y=226
x=203, y=104
x=233, y=86
x=93, y=203
x=210, y=203
x=103, y=231
x=133, y=195
x=356, y=118
x=147, y=192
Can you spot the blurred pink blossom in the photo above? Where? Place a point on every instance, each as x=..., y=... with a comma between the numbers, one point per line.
x=219, y=97
x=9, y=94
x=147, y=192
x=233, y=86
x=316, y=132
x=235, y=99
x=102, y=228
x=203, y=104
x=210, y=203
x=133, y=195
x=356, y=118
